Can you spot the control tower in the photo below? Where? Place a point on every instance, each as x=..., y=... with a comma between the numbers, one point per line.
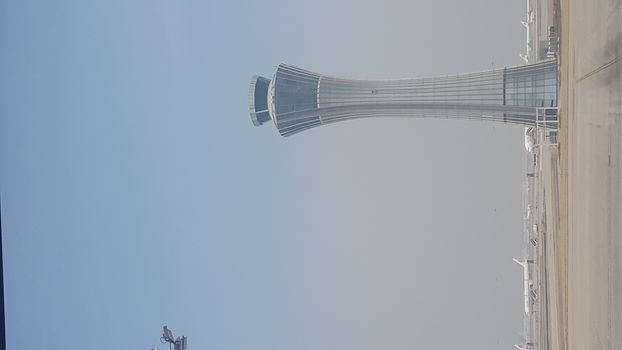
x=296, y=99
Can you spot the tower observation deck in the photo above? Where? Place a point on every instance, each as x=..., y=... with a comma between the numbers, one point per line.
x=296, y=99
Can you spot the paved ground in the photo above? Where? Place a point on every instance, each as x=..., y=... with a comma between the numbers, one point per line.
x=592, y=156
x=553, y=251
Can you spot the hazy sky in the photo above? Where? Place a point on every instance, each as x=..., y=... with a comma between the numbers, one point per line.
x=136, y=192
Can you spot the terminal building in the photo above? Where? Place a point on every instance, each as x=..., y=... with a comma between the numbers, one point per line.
x=296, y=99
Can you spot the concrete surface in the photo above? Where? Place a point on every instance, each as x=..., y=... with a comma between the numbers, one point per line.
x=590, y=114
x=553, y=325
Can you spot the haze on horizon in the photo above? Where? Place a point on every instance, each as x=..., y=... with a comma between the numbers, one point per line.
x=136, y=191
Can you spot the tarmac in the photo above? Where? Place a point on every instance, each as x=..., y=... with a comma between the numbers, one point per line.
x=588, y=298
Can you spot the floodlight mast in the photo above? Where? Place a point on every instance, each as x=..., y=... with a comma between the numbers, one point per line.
x=181, y=343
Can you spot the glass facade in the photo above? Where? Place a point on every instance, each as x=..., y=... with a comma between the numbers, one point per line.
x=532, y=86
x=258, y=100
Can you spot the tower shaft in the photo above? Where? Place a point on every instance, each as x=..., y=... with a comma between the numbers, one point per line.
x=297, y=99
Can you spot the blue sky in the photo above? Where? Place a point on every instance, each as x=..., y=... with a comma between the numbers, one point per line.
x=136, y=191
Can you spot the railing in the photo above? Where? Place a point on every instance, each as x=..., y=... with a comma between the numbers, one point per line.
x=547, y=124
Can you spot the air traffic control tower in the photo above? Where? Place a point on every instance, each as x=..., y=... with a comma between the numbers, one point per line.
x=296, y=99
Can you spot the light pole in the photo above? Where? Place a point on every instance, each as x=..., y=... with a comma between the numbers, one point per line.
x=181, y=343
